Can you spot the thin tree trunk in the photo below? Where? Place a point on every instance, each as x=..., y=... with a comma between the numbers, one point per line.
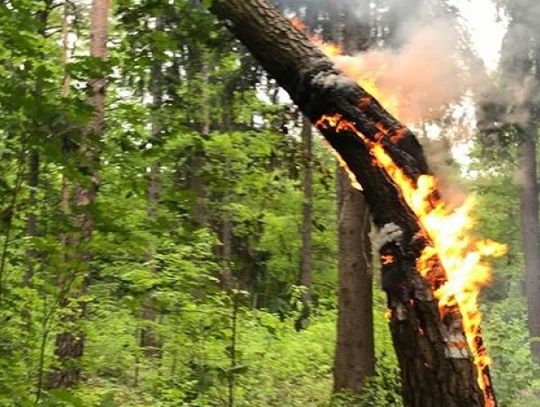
x=433, y=373
x=200, y=67
x=70, y=343
x=149, y=339
x=31, y=220
x=530, y=231
x=226, y=232
x=33, y=163
x=306, y=260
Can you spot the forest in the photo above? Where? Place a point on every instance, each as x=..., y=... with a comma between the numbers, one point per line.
x=286, y=203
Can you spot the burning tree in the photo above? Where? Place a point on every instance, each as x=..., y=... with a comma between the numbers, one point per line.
x=432, y=269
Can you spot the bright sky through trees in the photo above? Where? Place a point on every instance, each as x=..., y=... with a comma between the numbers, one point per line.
x=486, y=26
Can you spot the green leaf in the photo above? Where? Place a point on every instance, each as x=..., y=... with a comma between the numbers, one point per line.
x=107, y=400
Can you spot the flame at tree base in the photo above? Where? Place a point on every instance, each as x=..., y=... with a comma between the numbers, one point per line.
x=451, y=251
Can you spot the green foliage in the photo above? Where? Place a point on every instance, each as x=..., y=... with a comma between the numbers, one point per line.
x=220, y=144
x=514, y=372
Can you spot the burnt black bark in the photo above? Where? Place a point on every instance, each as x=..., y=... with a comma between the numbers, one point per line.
x=430, y=377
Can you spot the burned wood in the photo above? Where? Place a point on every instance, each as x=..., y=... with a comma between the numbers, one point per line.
x=433, y=372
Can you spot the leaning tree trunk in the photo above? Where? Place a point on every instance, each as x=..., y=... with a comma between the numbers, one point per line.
x=433, y=373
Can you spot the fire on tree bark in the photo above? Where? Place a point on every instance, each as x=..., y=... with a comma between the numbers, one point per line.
x=437, y=368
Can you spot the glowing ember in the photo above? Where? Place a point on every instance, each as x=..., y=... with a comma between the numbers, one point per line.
x=449, y=229
x=387, y=259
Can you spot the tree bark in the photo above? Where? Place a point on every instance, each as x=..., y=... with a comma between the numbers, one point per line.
x=149, y=339
x=355, y=347
x=355, y=343
x=530, y=233
x=70, y=343
x=306, y=260
x=31, y=220
x=198, y=72
x=42, y=18
x=519, y=68
x=431, y=375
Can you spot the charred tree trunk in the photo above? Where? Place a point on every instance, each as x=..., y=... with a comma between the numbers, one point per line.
x=355, y=344
x=530, y=233
x=70, y=343
x=431, y=373
x=306, y=260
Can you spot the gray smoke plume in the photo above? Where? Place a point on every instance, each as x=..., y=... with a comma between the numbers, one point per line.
x=419, y=62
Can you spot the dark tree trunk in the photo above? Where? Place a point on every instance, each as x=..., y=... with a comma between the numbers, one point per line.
x=31, y=220
x=518, y=69
x=306, y=259
x=355, y=347
x=432, y=373
x=198, y=72
x=42, y=18
x=355, y=343
x=530, y=232
x=70, y=343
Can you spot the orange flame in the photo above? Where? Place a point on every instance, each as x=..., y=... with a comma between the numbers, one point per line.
x=462, y=257
x=368, y=81
x=387, y=259
x=329, y=49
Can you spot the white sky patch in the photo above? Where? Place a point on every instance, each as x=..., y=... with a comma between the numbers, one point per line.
x=486, y=27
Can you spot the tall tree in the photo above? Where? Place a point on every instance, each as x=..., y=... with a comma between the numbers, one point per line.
x=306, y=259
x=70, y=343
x=355, y=346
x=433, y=371
x=149, y=338
x=520, y=72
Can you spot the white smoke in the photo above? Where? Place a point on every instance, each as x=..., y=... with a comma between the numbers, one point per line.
x=422, y=78
x=390, y=232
